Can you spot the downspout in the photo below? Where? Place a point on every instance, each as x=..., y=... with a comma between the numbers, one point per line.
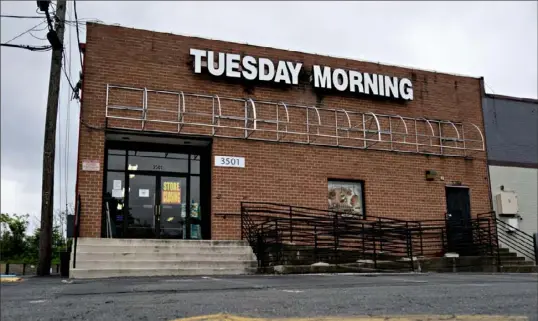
x=483, y=105
x=490, y=196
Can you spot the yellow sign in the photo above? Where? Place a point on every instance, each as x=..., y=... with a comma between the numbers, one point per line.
x=171, y=193
x=227, y=317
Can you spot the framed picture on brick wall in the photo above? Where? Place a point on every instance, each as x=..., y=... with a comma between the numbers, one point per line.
x=346, y=197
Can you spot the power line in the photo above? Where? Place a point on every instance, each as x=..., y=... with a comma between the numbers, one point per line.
x=68, y=122
x=78, y=35
x=31, y=48
x=24, y=32
x=70, y=21
x=20, y=17
x=36, y=37
x=75, y=92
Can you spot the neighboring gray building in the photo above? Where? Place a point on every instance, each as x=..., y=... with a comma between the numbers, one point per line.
x=511, y=126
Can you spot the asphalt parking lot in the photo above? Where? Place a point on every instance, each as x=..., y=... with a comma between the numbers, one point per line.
x=169, y=298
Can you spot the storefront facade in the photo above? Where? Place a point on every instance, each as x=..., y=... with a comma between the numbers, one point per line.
x=177, y=131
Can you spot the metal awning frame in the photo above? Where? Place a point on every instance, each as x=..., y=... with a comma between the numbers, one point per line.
x=442, y=137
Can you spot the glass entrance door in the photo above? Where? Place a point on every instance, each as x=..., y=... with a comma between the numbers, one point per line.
x=141, y=218
x=158, y=207
x=172, y=210
x=157, y=192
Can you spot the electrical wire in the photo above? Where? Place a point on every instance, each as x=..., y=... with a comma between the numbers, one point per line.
x=31, y=48
x=75, y=93
x=59, y=129
x=25, y=32
x=20, y=17
x=58, y=156
x=36, y=37
x=68, y=121
x=78, y=34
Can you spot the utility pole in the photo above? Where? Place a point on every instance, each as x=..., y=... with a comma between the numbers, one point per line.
x=45, y=239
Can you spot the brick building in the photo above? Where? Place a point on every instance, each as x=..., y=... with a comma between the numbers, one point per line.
x=172, y=140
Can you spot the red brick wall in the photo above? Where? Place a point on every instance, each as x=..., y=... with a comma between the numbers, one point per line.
x=281, y=172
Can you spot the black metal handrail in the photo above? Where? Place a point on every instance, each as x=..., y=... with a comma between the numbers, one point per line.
x=516, y=240
x=77, y=230
x=280, y=234
x=512, y=238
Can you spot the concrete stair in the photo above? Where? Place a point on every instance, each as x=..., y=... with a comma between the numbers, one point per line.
x=103, y=258
x=513, y=263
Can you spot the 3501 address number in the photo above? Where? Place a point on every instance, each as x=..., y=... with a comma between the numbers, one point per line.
x=229, y=161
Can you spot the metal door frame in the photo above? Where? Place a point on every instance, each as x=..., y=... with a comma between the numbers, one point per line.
x=463, y=223
x=157, y=175
x=158, y=205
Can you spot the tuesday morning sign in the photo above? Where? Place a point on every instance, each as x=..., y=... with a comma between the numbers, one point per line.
x=230, y=65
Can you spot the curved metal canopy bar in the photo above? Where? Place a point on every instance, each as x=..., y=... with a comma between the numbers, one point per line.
x=453, y=126
x=404, y=123
x=181, y=106
x=348, y=119
x=429, y=123
x=377, y=122
x=219, y=107
x=319, y=117
x=317, y=113
x=287, y=113
x=481, y=135
x=254, y=113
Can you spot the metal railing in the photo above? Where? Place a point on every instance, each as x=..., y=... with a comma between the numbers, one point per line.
x=144, y=109
x=290, y=235
x=77, y=230
x=515, y=239
x=282, y=234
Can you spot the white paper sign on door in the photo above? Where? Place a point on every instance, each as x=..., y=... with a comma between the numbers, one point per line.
x=143, y=192
x=117, y=193
x=117, y=184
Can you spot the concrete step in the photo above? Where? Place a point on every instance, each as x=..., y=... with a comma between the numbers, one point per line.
x=143, y=248
x=109, y=273
x=512, y=258
x=507, y=254
x=159, y=242
x=179, y=256
x=516, y=262
x=519, y=268
x=166, y=264
x=101, y=258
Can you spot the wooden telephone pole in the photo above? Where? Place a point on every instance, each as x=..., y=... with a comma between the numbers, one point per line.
x=45, y=239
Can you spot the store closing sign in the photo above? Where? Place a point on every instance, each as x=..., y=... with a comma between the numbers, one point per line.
x=230, y=65
x=171, y=193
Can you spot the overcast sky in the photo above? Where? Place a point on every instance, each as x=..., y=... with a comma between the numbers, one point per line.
x=497, y=40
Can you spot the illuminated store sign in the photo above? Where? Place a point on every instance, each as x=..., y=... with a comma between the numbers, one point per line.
x=229, y=65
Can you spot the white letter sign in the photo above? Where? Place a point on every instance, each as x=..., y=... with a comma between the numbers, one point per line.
x=221, y=64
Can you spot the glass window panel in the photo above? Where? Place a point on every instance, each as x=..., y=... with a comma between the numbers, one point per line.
x=173, y=207
x=117, y=152
x=154, y=161
x=195, y=208
x=141, y=220
x=115, y=197
x=195, y=164
x=116, y=159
